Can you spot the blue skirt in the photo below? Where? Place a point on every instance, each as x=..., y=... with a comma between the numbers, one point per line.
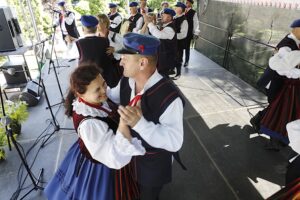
x=94, y=181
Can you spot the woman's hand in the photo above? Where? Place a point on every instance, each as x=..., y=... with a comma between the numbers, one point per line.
x=124, y=129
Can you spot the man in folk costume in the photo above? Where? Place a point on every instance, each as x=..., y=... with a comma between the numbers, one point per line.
x=181, y=26
x=136, y=20
x=193, y=30
x=168, y=41
x=163, y=5
x=115, y=18
x=67, y=24
x=286, y=105
x=144, y=9
x=153, y=109
x=93, y=49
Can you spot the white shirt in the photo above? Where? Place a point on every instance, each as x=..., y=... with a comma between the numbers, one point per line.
x=114, y=151
x=293, y=129
x=183, y=28
x=117, y=44
x=165, y=33
x=285, y=60
x=139, y=24
x=116, y=21
x=196, y=30
x=168, y=133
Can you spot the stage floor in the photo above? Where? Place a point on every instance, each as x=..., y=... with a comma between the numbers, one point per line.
x=225, y=159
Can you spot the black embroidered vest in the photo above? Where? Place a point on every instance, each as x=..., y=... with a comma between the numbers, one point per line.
x=111, y=18
x=167, y=52
x=71, y=29
x=133, y=20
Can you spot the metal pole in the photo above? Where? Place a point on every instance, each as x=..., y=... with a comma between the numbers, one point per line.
x=33, y=21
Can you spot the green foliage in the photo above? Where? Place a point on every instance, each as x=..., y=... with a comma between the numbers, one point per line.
x=2, y=154
x=16, y=110
x=91, y=7
x=43, y=20
x=2, y=60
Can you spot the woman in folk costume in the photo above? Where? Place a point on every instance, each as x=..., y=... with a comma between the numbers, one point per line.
x=87, y=172
x=115, y=39
x=286, y=105
x=292, y=179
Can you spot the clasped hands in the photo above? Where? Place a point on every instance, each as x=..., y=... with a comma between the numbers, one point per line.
x=130, y=115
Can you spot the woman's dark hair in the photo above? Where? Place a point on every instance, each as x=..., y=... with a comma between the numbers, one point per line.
x=79, y=80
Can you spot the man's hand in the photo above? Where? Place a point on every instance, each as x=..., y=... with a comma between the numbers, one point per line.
x=130, y=115
x=195, y=37
x=110, y=50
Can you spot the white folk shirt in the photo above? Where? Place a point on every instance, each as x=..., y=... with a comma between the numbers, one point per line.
x=168, y=133
x=285, y=60
x=196, y=29
x=114, y=151
x=293, y=129
x=166, y=33
x=183, y=28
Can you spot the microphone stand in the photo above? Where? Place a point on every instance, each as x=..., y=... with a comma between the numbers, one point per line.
x=51, y=62
x=54, y=121
x=23, y=159
x=40, y=63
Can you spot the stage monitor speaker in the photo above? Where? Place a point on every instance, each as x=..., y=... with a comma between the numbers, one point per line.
x=10, y=31
x=29, y=99
x=14, y=73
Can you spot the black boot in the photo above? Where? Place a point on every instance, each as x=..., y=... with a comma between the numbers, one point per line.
x=255, y=121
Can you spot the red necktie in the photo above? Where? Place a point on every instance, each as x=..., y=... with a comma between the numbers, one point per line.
x=134, y=101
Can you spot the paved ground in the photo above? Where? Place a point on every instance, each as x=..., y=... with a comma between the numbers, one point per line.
x=225, y=159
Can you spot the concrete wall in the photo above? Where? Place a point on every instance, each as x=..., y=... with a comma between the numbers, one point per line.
x=246, y=22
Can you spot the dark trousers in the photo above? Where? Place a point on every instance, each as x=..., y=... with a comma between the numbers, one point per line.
x=187, y=49
x=179, y=56
x=149, y=193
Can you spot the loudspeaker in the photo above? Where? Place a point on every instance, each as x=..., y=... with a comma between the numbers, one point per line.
x=34, y=88
x=10, y=32
x=29, y=99
x=13, y=72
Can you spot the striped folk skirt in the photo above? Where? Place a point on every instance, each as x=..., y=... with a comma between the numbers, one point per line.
x=284, y=109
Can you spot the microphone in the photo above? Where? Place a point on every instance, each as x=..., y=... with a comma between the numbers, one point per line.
x=50, y=7
x=11, y=71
